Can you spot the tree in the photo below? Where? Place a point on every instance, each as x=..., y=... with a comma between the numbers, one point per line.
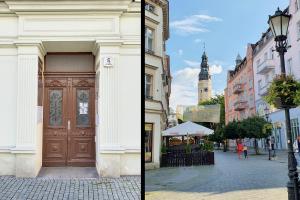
x=218, y=135
x=256, y=127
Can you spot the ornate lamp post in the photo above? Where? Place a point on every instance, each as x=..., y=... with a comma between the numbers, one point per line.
x=279, y=23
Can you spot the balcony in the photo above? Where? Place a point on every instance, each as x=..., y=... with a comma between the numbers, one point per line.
x=265, y=66
x=263, y=91
x=240, y=105
x=238, y=88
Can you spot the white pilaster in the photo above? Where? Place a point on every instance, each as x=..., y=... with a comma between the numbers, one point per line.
x=108, y=102
x=27, y=104
x=108, y=138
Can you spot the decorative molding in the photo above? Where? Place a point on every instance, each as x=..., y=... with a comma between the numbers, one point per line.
x=55, y=83
x=119, y=149
x=68, y=24
x=83, y=83
x=68, y=6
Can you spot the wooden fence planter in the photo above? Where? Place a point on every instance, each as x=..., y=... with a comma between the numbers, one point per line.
x=180, y=158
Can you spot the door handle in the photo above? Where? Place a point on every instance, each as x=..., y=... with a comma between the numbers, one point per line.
x=69, y=125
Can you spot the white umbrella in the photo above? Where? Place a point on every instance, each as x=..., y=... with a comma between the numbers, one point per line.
x=187, y=128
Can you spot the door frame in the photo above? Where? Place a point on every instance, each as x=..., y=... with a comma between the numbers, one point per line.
x=44, y=74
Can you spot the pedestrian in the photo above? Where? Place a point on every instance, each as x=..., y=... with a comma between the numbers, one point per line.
x=269, y=147
x=273, y=145
x=239, y=148
x=245, y=148
x=296, y=146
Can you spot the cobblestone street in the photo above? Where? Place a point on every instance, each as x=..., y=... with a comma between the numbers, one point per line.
x=229, y=179
x=124, y=188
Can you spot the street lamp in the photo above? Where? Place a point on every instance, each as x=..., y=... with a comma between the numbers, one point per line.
x=279, y=23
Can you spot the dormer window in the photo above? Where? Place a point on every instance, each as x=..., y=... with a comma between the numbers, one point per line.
x=149, y=7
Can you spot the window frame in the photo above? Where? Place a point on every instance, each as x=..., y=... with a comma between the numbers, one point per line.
x=152, y=139
x=147, y=49
x=149, y=96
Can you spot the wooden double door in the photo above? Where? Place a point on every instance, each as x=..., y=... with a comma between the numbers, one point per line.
x=69, y=124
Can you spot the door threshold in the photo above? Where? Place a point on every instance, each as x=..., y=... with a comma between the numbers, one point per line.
x=68, y=172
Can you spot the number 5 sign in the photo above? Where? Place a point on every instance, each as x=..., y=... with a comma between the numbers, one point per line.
x=107, y=61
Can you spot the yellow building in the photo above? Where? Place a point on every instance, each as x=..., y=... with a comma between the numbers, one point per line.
x=204, y=83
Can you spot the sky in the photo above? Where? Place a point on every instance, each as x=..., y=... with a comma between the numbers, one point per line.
x=225, y=26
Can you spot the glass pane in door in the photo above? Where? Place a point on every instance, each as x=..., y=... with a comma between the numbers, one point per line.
x=82, y=116
x=55, y=103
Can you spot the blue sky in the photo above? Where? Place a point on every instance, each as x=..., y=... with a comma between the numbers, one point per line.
x=226, y=27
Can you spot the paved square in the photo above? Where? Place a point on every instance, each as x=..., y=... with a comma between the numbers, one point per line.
x=229, y=179
x=123, y=188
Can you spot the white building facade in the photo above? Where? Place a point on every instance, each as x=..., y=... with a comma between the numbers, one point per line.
x=157, y=78
x=266, y=64
x=66, y=69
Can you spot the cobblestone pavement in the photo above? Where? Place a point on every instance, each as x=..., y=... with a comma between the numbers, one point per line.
x=124, y=188
x=229, y=179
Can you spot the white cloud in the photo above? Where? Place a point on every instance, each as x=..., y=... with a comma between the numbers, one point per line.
x=191, y=63
x=198, y=40
x=180, y=52
x=184, y=87
x=185, y=84
x=215, y=69
x=193, y=24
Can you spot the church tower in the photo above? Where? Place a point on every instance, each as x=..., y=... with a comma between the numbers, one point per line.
x=204, y=83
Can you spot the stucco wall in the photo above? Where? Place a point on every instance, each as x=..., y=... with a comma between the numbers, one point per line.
x=8, y=88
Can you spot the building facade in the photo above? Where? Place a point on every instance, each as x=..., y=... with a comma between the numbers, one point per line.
x=204, y=80
x=172, y=118
x=157, y=78
x=66, y=69
x=239, y=94
x=266, y=65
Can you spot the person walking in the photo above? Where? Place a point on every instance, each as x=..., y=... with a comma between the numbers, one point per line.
x=273, y=145
x=239, y=149
x=296, y=146
x=245, y=149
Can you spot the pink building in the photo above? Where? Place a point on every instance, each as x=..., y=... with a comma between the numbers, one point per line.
x=239, y=94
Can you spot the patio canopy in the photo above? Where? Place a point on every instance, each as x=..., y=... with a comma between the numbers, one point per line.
x=187, y=128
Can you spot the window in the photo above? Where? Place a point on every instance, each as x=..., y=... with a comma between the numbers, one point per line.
x=295, y=128
x=259, y=85
x=205, y=89
x=296, y=5
x=257, y=62
x=250, y=83
x=289, y=66
x=271, y=53
x=149, y=7
x=148, y=86
x=288, y=41
x=298, y=30
x=148, y=142
x=149, y=40
x=265, y=56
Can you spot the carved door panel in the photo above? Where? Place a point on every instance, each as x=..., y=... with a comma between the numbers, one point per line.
x=81, y=137
x=55, y=122
x=69, y=128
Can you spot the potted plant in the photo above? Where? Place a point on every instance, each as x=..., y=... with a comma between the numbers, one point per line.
x=283, y=92
x=163, y=149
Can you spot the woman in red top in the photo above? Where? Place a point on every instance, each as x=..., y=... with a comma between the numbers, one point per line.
x=239, y=148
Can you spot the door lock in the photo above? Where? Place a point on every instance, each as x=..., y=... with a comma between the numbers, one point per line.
x=69, y=125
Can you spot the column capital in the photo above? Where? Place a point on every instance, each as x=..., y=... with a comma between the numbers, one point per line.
x=30, y=47
x=110, y=42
